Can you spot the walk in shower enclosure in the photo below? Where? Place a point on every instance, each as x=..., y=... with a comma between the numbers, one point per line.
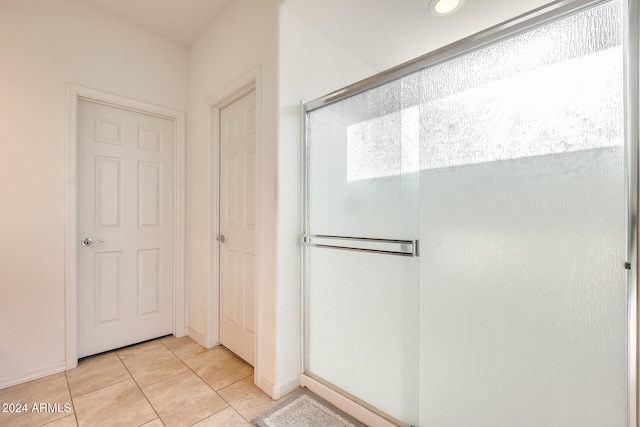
x=469, y=249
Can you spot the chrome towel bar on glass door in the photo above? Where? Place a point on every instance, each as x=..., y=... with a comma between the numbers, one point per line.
x=363, y=244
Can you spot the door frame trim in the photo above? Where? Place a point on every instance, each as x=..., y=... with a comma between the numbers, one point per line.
x=251, y=81
x=75, y=93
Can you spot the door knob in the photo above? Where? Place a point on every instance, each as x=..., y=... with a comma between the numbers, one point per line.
x=88, y=241
x=221, y=238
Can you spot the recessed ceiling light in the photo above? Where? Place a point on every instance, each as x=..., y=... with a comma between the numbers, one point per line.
x=444, y=7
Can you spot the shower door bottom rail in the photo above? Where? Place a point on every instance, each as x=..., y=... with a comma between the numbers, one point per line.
x=408, y=248
x=347, y=402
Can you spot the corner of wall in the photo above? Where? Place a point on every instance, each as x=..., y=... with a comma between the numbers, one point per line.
x=197, y=337
x=277, y=391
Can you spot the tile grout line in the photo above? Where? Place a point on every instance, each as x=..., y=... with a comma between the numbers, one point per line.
x=205, y=383
x=27, y=415
x=229, y=405
x=235, y=382
x=97, y=389
x=131, y=377
x=155, y=382
x=140, y=388
x=105, y=386
x=73, y=405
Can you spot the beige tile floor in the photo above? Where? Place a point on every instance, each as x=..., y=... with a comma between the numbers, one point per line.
x=165, y=382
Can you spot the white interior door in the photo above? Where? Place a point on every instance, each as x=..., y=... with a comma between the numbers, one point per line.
x=238, y=226
x=125, y=206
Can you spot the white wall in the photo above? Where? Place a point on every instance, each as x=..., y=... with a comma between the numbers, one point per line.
x=241, y=39
x=248, y=35
x=44, y=45
x=386, y=33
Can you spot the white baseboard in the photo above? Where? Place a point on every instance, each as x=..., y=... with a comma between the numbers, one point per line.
x=345, y=404
x=277, y=391
x=265, y=386
x=197, y=337
x=283, y=389
x=23, y=377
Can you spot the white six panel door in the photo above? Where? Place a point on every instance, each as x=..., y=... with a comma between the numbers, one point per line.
x=125, y=205
x=238, y=226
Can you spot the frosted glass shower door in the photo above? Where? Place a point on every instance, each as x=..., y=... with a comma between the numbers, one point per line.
x=522, y=280
x=362, y=303
x=506, y=163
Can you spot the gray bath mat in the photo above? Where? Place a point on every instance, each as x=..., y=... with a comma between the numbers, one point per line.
x=305, y=409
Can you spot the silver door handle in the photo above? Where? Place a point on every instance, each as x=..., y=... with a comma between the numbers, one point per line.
x=221, y=238
x=88, y=241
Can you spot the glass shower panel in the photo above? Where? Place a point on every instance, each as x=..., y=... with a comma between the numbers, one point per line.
x=362, y=305
x=362, y=164
x=522, y=280
x=362, y=327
